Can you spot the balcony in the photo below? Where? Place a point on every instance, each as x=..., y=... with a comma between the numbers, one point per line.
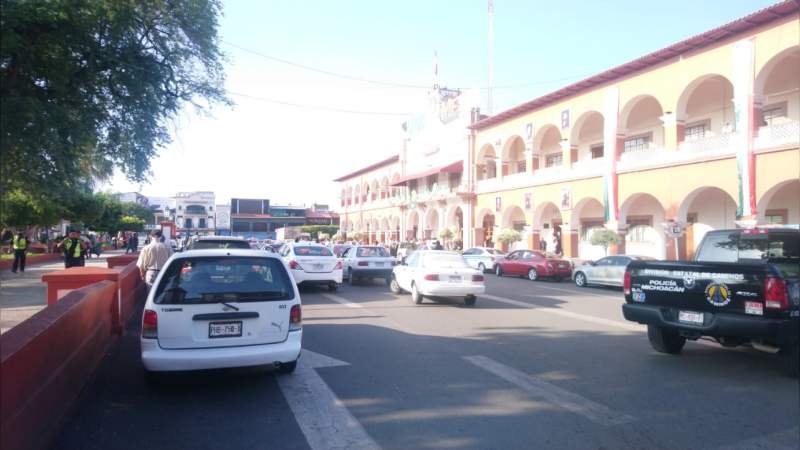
x=709, y=145
x=778, y=135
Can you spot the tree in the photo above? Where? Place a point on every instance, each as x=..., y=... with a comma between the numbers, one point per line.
x=508, y=236
x=316, y=230
x=90, y=85
x=131, y=223
x=604, y=238
x=445, y=234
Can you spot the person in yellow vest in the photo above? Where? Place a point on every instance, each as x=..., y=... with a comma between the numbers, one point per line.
x=20, y=244
x=74, y=249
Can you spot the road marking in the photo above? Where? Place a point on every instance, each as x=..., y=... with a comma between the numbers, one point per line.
x=781, y=440
x=560, y=397
x=584, y=292
x=561, y=312
x=324, y=420
x=342, y=300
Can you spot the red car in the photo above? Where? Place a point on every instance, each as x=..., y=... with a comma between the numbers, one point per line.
x=533, y=265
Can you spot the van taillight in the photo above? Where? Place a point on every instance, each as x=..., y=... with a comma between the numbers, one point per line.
x=775, y=294
x=150, y=324
x=295, y=318
x=626, y=284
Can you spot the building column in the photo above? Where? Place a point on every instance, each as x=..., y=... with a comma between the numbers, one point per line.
x=529, y=161
x=674, y=130
x=468, y=215
x=498, y=167
x=566, y=154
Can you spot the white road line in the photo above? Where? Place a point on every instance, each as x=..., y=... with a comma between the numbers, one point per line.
x=342, y=300
x=324, y=420
x=560, y=397
x=561, y=312
x=585, y=292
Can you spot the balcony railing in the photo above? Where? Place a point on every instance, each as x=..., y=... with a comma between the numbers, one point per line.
x=708, y=144
x=779, y=134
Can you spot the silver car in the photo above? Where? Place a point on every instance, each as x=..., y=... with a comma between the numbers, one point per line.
x=367, y=261
x=608, y=271
x=483, y=258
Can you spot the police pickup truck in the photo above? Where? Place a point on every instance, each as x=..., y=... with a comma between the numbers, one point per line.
x=743, y=288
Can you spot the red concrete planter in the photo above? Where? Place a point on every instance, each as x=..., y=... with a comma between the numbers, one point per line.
x=33, y=259
x=121, y=260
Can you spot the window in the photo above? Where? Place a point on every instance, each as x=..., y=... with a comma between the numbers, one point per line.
x=201, y=223
x=218, y=279
x=240, y=226
x=208, y=243
x=518, y=225
x=445, y=261
x=638, y=143
x=589, y=227
x=187, y=223
x=521, y=166
x=371, y=252
x=312, y=250
x=718, y=247
x=695, y=131
x=773, y=114
x=553, y=159
x=472, y=251
x=639, y=228
x=777, y=216
x=607, y=261
x=260, y=227
x=691, y=217
x=413, y=260
x=597, y=151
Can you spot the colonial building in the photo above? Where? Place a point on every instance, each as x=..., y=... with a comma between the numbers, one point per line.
x=194, y=212
x=257, y=218
x=703, y=134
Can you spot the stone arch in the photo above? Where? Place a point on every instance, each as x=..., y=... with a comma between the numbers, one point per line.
x=704, y=209
x=587, y=216
x=643, y=215
x=781, y=199
x=432, y=223
x=514, y=217
x=706, y=106
x=587, y=133
x=484, y=227
x=413, y=225
x=513, y=155
x=485, y=165
x=547, y=219
x=787, y=62
x=641, y=116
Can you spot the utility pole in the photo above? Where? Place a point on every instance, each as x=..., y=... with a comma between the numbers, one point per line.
x=491, y=68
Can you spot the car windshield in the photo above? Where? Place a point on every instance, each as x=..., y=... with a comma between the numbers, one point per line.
x=209, y=244
x=223, y=278
x=312, y=250
x=445, y=261
x=371, y=252
x=493, y=251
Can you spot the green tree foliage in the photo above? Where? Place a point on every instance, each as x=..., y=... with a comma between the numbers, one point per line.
x=446, y=234
x=508, y=236
x=315, y=230
x=604, y=238
x=90, y=85
x=131, y=223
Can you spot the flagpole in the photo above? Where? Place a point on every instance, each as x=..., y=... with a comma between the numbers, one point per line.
x=490, y=55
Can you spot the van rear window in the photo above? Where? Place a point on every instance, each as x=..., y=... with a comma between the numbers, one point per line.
x=224, y=279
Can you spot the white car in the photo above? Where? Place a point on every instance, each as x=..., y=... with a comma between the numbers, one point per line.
x=367, y=261
x=211, y=309
x=311, y=263
x=483, y=258
x=437, y=273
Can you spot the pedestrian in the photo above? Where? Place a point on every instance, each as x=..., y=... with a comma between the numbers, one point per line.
x=543, y=244
x=437, y=245
x=133, y=243
x=20, y=245
x=74, y=249
x=152, y=258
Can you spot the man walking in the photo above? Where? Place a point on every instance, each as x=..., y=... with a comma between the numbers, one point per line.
x=73, y=248
x=20, y=244
x=152, y=258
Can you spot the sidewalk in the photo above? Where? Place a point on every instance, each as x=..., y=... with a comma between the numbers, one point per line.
x=23, y=294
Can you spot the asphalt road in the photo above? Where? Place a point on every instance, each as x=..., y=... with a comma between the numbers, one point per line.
x=532, y=365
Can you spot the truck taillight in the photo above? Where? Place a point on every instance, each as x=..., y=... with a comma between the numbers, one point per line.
x=295, y=318
x=294, y=265
x=775, y=293
x=338, y=266
x=626, y=283
x=432, y=277
x=150, y=324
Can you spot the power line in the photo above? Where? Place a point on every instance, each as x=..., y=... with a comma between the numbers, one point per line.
x=391, y=83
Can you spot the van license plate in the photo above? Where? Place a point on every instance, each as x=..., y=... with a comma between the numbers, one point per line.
x=694, y=318
x=225, y=329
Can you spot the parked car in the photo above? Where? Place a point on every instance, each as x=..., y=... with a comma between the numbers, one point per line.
x=404, y=250
x=367, y=261
x=534, y=265
x=608, y=271
x=209, y=242
x=437, y=273
x=483, y=258
x=743, y=288
x=311, y=263
x=216, y=308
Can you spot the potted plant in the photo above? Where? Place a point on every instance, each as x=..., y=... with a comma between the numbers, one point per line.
x=508, y=236
x=604, y=238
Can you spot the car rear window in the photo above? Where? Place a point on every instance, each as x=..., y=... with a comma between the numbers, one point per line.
x=223, y=279
x=445, y=261
x=733, y=247
x=208, y=244
x=312, y=251
x=372, y=252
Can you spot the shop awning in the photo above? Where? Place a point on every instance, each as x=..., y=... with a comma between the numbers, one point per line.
x=455, y=167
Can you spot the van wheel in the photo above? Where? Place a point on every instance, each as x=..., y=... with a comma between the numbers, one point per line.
x=288, y=367
x=470, y=300
x=664, y=340
x=416, y=297
x=394, y=286
x=791, y=360
x=332, y=286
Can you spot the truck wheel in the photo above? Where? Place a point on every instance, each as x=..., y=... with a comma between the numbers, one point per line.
x=791, y=359
x=665, y=341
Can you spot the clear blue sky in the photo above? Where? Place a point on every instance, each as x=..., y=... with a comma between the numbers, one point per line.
x=289, y=154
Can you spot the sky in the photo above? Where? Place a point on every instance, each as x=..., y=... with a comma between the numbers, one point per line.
x=263, y=148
